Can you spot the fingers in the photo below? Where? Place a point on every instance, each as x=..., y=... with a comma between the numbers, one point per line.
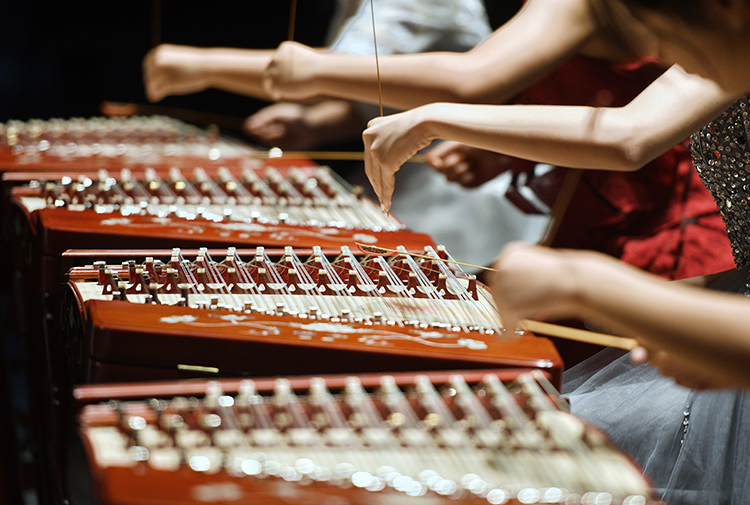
x=372, y=175
x=172, y=70
x=682, y=371
x=466, y=165
x=444, y=154
x=271, y=133
x=375, y=175
x=155, y=71
x=389, y=143
x=375, y=169
x=383, y=181
x=259, y=121
x=460, y=172
x=451, y=161
x=154, y=89
x=687, y=373
x=509, y=318
x=452, y=165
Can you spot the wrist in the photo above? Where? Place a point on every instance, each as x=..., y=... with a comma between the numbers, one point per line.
x=600, y=285
x=573, y=284
x=204, y=67
x=316, y=76
x=427, y=121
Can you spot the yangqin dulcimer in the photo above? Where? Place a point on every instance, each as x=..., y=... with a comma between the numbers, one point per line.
x=162, y=318
x=155, y=183
x=301, y=206
x=70, y=145
x=469, y=437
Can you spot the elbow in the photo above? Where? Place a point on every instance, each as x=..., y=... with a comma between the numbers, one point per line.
x=629, y=149
x=630, y=157
x=473, y=88
x=462, y=89
x=464, y=81
x=470, y=89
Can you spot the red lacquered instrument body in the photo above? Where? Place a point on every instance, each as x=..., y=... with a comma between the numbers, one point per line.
x=162, y=338
x=267, y=317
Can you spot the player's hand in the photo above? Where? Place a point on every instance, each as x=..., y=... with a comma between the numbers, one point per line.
x=173, y=70
x=389, y=142
x=281, y=125
x=466, y=165
x=289, y=75
x=533, y=282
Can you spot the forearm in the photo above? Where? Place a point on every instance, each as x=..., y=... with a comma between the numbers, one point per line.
x=542, y=36
x=408, y=81
x=557, y=135
x=621, y=138
x=235, y=70
x=700, y=325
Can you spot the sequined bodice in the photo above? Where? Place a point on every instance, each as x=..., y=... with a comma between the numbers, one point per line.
x=721, y=154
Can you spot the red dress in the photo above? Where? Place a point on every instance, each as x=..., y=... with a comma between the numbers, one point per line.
x=659, y=218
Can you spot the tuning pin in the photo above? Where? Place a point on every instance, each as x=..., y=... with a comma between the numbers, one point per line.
x=152, y=296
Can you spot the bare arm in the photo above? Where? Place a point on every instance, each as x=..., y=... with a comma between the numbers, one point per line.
x=621, y=138
x=706, y=329
x=294, y=126
x=541, y=37
x=176, y=70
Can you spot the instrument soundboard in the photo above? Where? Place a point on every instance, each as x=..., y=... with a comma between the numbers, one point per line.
x=301, y=206
x=490, y=437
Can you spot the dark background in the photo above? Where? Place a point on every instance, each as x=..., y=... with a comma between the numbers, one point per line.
x=63, y=59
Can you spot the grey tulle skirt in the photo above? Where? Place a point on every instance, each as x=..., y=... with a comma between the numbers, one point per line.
x=695, y=446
